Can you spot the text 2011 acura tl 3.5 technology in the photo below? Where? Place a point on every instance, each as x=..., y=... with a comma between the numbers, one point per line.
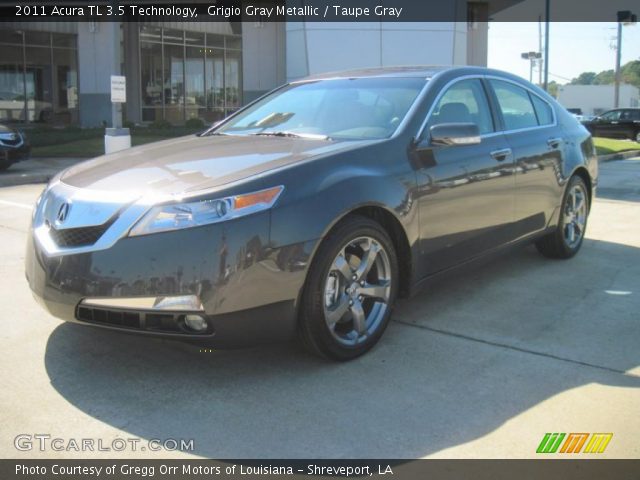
x=312, y=209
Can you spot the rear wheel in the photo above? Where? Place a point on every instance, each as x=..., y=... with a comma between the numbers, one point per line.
x=567, y=239
x=350, y=290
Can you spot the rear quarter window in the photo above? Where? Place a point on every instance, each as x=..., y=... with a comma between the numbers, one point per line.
x=543, y=110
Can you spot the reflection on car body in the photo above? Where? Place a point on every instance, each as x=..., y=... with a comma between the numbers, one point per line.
x=312, y=209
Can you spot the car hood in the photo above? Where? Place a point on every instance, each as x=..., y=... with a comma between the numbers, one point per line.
x=190, y=164
x=7, y=129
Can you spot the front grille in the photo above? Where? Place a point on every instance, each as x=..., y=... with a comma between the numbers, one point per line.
x=134, y=319
x=78, y=237
x=109, y=317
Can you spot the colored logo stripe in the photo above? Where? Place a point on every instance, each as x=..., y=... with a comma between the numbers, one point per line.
x=550, y=443
x=574, y=442
x=598, y=442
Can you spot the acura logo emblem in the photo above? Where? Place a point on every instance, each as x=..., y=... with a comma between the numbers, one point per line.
x=63, y=212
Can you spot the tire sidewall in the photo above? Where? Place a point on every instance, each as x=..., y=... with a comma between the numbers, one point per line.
x=313, y=298
x=571, y=251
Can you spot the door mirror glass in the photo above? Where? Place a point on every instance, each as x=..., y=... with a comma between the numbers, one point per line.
x=451, y=134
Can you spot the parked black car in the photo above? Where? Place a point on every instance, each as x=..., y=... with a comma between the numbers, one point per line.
x=14, y=146
x=313, y=208
x=618, y=123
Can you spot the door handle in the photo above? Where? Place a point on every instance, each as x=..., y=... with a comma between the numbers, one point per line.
x=554, y=142
x=501, y=154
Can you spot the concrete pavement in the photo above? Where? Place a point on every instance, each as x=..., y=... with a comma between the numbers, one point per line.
x=35, y=170
x=480, y=365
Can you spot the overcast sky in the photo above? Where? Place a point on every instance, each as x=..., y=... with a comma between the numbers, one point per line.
x=574, y=47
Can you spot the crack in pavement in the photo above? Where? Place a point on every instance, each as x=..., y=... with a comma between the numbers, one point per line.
x=514, y=348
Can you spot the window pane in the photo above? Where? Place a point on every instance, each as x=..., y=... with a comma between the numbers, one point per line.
x=464, y=102
x=543, y=110
x=194, y=81
x=194, y=38
x=38, y=38
x=174, y=83
x=173, y=36
x=214, y=69
x=232, y=63
x=11, y=85
x=214, y=40
x=65, y=85
x=516, y=107
x=150, y=34
x=64, y=40
x=151, y=74
x=10, y=36
x=39, y=84
x=234, y=42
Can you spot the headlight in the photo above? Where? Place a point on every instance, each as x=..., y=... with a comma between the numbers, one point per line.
x=176, y=216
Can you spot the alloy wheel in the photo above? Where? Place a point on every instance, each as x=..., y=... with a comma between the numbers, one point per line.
x=357, y=291
x=575, y=216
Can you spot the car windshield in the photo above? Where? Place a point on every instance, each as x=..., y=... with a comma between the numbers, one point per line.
x=360, y=108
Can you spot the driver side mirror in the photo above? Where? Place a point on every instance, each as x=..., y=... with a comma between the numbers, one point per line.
x=455, y=134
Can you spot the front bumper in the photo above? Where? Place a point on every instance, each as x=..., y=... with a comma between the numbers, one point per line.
x=248, y=289
x=13, y=155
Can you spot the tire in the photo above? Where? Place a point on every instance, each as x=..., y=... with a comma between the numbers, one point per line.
x=347, y=303
x=562, y=243
x=637, y=137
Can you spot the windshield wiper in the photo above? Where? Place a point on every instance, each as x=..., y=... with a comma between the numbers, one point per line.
x=311, y=136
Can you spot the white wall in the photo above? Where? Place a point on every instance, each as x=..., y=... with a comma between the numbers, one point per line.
x=316, y=47
x=263, y=58
x=595, y=99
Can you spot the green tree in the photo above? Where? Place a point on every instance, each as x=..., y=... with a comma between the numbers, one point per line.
x=585, y=78
x=630, y=73
x=606, y=77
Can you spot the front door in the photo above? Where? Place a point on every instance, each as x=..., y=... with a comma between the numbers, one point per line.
x=466, y=193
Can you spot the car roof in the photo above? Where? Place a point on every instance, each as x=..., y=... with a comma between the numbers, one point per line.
x=411, y=71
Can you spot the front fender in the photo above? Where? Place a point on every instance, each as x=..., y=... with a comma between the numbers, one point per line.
x=324, y=192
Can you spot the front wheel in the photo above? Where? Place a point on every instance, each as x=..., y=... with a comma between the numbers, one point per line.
x=350, y=290
x=567, y=239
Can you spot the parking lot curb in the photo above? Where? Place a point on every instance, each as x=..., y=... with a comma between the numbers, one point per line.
x=619, y=156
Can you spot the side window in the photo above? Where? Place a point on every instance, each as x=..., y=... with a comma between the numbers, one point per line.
x=612, y=115
x=464, y=102
x=543, y=110
x=635, y=114
x=515, y=105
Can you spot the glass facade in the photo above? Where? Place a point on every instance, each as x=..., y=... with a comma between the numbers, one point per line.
x=38, y=77
x=187, y=75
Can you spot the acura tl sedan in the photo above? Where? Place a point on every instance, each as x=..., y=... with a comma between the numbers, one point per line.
x=311, y=210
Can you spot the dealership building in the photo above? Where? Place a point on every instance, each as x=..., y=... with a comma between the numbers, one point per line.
x=59, y=72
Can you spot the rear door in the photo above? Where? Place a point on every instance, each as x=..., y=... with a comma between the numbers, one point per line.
x=608, y=125
x=538, y=145
x=627, y=124
x=466, y=191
